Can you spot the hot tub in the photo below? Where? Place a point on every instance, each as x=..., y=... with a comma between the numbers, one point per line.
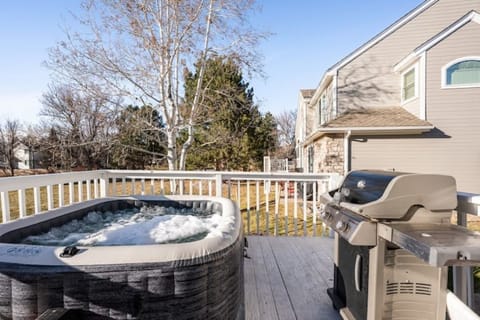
x=202, y=279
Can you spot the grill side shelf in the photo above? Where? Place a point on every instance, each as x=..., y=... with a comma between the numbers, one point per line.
x=438, y=244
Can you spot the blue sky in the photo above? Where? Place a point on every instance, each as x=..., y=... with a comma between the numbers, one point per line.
x=308, y=37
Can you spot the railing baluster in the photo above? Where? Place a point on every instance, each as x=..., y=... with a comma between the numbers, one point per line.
x=295, y=208
x=61, y=195
x=190, y=187
x=124, y=186
x=49, y=197
x=71, y=196
x=162, y=187
x=267, y=207
x=5, y=206
x=257, y=196
x=314, y=211
x=95, y=189
x=133, y=186
x=277, y=196
x=285, y=203
x=36, y=200
x=152, y=186
x=219, y=186
x=248, y=206
x=143, y=186
x=200, y=187
x=80, y=191
x=238, y=193
x=210, y=188
x=22, y=205
x=89, y=189
x=304, y=209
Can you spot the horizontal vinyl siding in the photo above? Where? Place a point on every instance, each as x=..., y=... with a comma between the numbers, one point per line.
x=455, y=150
x=369, y=80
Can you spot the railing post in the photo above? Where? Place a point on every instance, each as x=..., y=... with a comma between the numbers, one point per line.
x=218, y=185
x=103, y=185
x=5, y=206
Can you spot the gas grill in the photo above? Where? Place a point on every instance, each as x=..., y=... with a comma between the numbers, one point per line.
x=393, y=244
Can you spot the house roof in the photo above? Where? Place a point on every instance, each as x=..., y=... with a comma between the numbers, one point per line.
x=373, y=121
x=376, y=118
x=307, y=93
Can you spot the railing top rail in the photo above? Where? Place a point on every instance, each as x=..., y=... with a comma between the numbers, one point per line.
x=226, y=175
x=23, y=182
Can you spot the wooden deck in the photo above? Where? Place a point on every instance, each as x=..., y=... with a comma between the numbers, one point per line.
x=287, y=278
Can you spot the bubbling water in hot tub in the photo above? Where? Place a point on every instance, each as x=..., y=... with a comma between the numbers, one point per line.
x=137, y=226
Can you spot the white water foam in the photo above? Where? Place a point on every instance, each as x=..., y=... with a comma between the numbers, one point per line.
x=149, y=225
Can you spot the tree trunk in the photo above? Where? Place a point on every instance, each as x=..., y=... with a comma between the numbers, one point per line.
x=171, y=149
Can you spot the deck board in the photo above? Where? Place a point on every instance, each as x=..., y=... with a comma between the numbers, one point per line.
x=287, y=277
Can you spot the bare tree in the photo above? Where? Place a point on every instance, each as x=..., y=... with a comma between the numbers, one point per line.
x=9, y=140
x=81, y=124
x=139, y=50
x=286, y=133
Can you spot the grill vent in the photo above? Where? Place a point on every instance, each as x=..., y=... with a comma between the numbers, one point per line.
x=408, y=288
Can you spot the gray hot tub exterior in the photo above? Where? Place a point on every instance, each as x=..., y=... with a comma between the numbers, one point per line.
x=197, y=280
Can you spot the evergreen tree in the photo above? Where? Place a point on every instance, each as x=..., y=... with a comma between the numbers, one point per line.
x=139, y=138
x=231, y=134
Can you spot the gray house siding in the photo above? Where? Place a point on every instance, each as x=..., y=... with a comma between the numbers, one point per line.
x=453, y=148
x=368, y=80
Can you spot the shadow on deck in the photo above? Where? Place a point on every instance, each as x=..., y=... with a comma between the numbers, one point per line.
x=287, y=278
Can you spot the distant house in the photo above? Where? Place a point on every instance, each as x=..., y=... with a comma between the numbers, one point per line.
x=408, y=100
x=25, y=158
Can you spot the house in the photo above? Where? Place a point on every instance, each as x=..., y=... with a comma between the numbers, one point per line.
x=24, y=158
x=407, y=100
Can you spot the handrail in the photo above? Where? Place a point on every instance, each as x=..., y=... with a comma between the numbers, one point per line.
x=275, y=203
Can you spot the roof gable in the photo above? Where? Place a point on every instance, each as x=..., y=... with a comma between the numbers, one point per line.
x=389, y=30
x=472, y=16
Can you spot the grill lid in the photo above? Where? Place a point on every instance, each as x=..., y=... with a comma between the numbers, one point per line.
x=388, y=195
x=362, y=187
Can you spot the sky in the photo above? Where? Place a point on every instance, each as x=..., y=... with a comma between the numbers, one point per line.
x=308, y=36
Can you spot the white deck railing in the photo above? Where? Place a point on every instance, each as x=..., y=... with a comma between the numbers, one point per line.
x=272, y=203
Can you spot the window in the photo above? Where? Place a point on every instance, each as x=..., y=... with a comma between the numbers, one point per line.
x=465, y=72
x=408, y=85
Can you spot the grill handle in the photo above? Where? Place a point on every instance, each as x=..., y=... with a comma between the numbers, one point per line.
x=358, y=271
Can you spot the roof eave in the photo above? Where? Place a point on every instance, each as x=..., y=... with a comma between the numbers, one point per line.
x=410, y=130
x=371, y=131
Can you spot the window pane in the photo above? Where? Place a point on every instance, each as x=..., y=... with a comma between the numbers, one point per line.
x=465, y=72
x=409, y=85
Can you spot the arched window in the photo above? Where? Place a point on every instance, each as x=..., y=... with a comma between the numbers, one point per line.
x=463, y=72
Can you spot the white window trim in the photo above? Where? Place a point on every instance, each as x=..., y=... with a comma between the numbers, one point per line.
x=417, y=78
x=456, y=86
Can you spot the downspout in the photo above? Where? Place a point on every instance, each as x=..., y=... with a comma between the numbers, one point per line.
x=346, y=153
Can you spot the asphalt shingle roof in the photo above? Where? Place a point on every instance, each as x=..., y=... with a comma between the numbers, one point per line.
x=376, y=117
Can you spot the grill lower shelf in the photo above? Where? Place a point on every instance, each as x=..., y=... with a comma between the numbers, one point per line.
x=437, y=244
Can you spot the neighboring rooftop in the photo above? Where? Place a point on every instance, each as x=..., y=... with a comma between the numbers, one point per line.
x=377, y=117
x=307, y=93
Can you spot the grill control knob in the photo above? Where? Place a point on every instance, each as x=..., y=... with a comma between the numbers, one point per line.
x=341, y=226
x=326, y=215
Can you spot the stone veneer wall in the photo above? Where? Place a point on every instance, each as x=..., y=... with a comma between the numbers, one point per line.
x=329, y=154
